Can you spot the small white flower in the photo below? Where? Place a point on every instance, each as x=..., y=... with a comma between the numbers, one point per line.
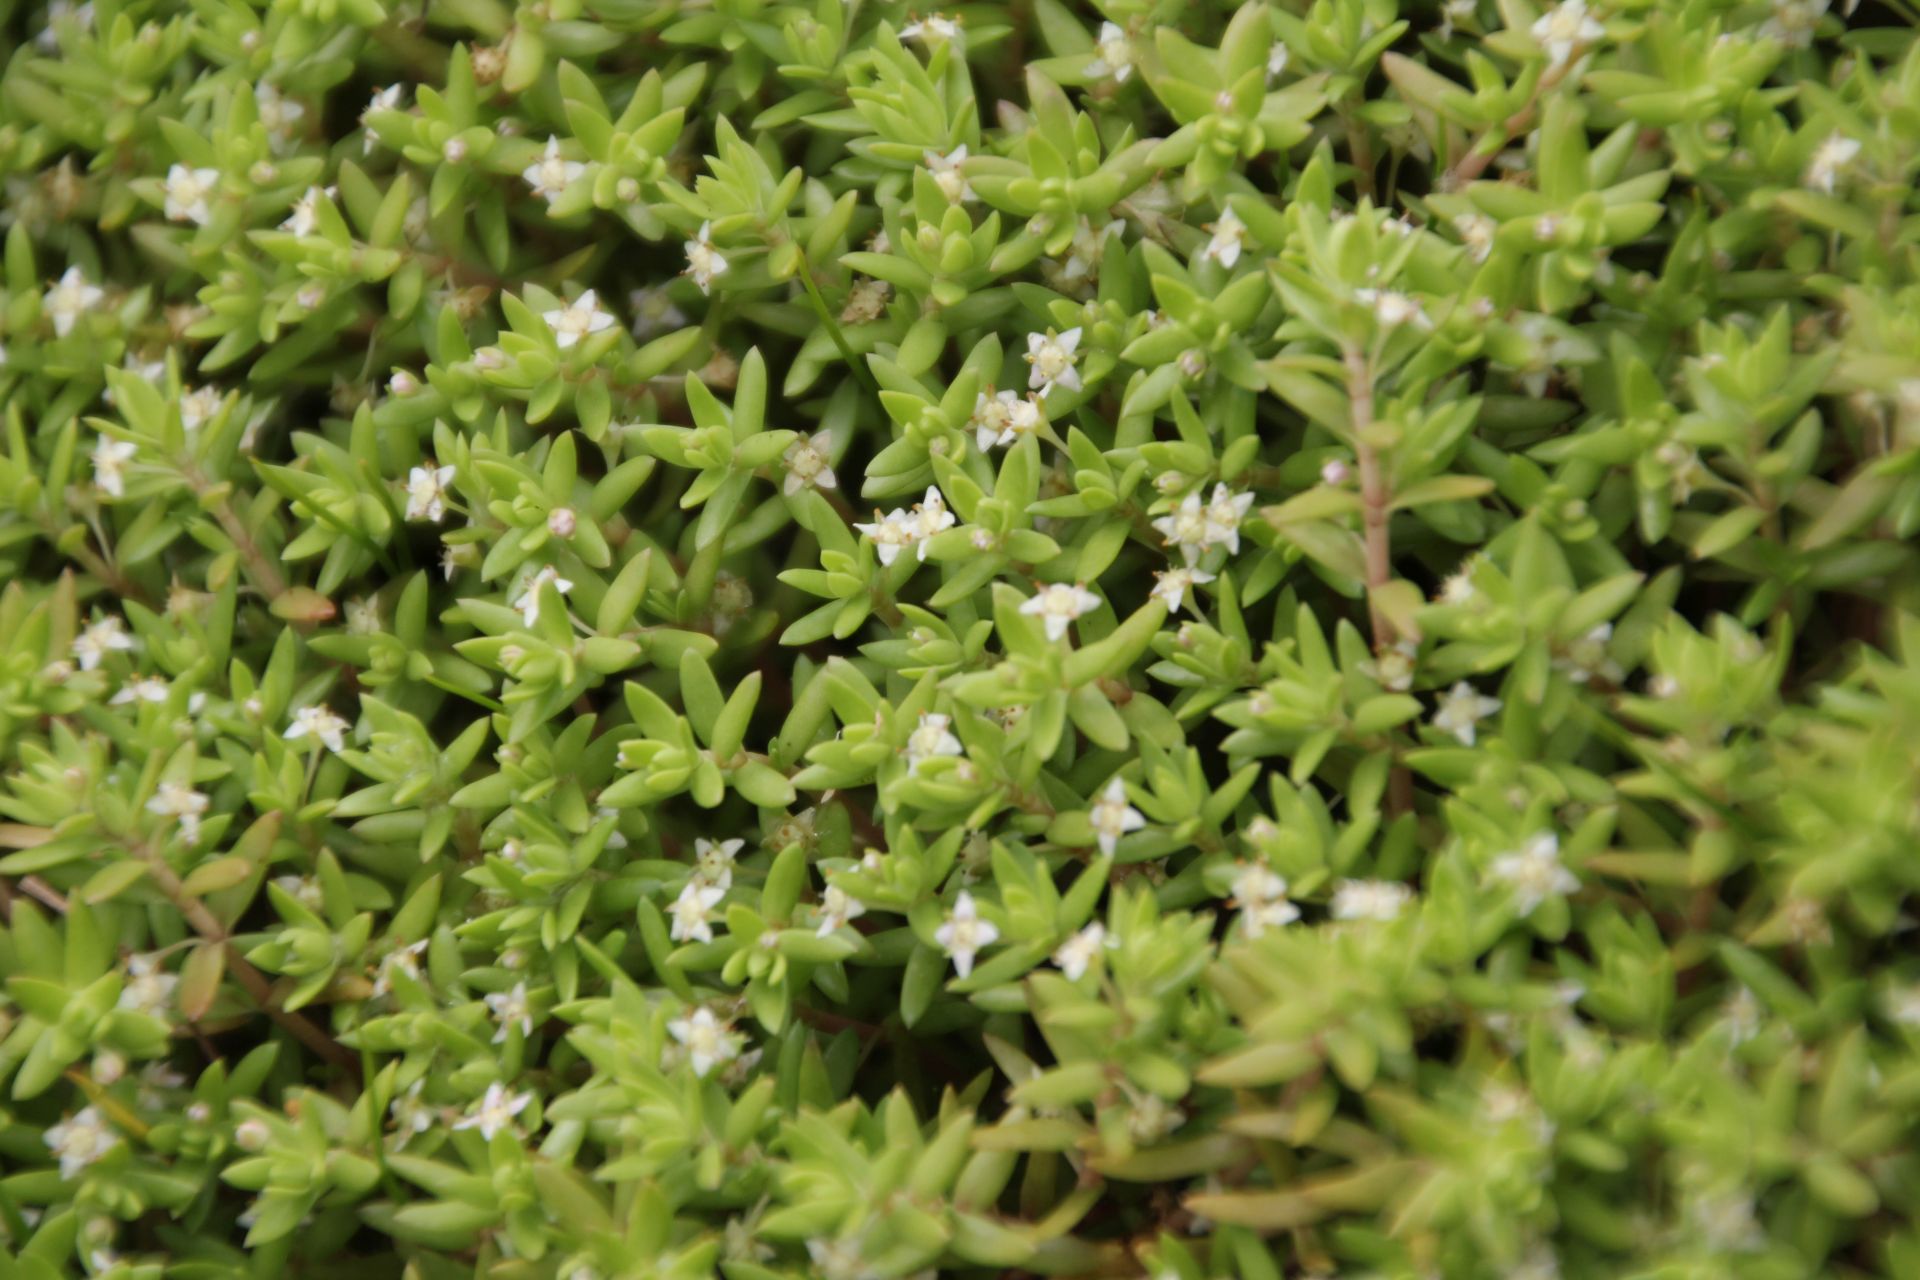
x=1224, y=515
x=837, y=907
x=304, y=890
x=1172, y=586
x=186, y=193
x=110, y=458
x=1393, y=308
x=890, y=533
x=1461, y=709
x=305, y=218
x=552, y=173
x=387, y=99
x=1832, y=156
x=1187, y=528
x=508, y=1008
x=401, y=960
x=714, y=860
x=1004, y=417
x=1058, y=604
x=692, y=911
x=1477, y=230
x=1393, y=666
x=808, y=462
x=198, y=406
x=1587, y=657
x=108, y=635
x=140, y=689
x=1277, y=58
x=930, y=516
x=949, y=177
x=1114, y=54
x=363, y=616
x=278, y=114
x=172, y=799
x=1112, y=817
x=1794, y=22
x=654, y=312
x=528, y=602
x=1229, y=238
x=427, y=492
x=1564, y=29
x=79, y=1141
x=930, y=739
x=579, y=319
x=319, y=723
x=709, y=1042
x=496, y=1111
x=1370, y=900
x=148, y=988
x=68, y=299
x=1535, y=873
x=704, y=262
x=411, y=1114
x=965, y=934
x=930, y=28
x=1077, y=954
x=1052, y=360
x=1261, y=894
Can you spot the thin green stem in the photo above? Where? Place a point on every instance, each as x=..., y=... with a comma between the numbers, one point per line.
x=825, y=313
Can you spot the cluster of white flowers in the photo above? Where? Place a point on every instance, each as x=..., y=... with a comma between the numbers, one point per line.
x=1197, y=526
x=899, y=529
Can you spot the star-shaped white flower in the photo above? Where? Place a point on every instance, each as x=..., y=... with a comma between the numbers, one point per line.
x=110, y=459
x=1261, y=894
x=709, y=1041
x=496, y=1111
x=278, y=115
x=140, y=689
x=552, y=173
x=1461, y=710
x=1187, y=528
x=929, y=517
x=387, y=99
x=808, y=462
x=1229, y=237
x=80, y=1141
x=1077, y=954
x=176, y=800
x=427, y=492
x=931, y=738
x=321, y=724
x=948, y=176
x=509, y=1008
x=890, y=534
x=837, y=907
x=186, y=192
x=714, y=859
x=305, y=218
x=148, y=988
x=930, y=28
x=1370, y=900
x=70, y=298
x=965, y=934
x=198, y=405
x=1564, y=29
x=692, y=911
x=1058, y=604
x=1112, y=817
x=1829, y=159
x=577, y=319
x=1052, y=360
x=704, y=261
x=1535, y=873
x=1393, y=308
x=1113, y=54
x=1224, y=514
x=108, y=635
x=400, y=961
x=1173, y=586
x=528, y=602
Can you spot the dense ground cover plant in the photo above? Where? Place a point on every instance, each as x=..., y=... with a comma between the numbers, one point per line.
x=660, y=639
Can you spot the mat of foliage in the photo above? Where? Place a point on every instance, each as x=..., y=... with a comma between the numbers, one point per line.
x=682, y=638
